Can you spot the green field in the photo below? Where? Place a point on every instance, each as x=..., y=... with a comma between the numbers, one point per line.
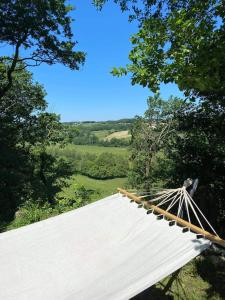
x=103, y=188
x=101, y=134
x=100, y=187
x=100, y=149
x=70, y=150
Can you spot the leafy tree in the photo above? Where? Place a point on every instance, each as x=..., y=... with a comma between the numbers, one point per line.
x=104, y=166
x=198, y=151
x=72, y=195
x=150, y=137
x=194, y=147
x=16, y=120
x=38, y=32
x=43, y=29
x=25, y=131
x=174, y=42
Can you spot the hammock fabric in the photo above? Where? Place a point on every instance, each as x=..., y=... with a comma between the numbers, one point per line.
x=110, y=249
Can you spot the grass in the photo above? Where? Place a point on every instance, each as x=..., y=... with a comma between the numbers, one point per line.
x=96, y=149
x=103, y=187
x=75, y=153
x=198, y=280
x=124, y=134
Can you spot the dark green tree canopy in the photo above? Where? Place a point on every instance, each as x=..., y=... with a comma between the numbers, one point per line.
x=25, y=131
x=43, y=28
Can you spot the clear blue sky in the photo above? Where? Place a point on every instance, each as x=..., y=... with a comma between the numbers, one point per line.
x=93, y=93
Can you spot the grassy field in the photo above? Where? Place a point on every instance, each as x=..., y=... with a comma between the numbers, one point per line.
x=100, y=149
x=72, y=151
x=124, y=134
x=108, y=134
x=103, y=188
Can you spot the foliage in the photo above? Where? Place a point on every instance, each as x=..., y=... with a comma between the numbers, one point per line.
x=38, y=32
x=43, y=29
x=96, y=164
x=118, y=125
x=150, y=137
x=17, y=134
x=25, y=130
x=90, y=133
x=76, y=191
x=115, y=142
x=193, y=147
x=31, y=212
x=47, y=174
x=199, y=151
x=70, y=197
x=105, y=166
x=174, y=41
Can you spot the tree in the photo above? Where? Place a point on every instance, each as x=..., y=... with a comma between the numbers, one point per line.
x=43, y=29
x=25, y=131
x=174, y=42
x=16, y=120
x=151, y=135
x=198, y=151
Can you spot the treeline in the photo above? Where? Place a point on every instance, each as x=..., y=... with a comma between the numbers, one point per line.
x=89, y=138
x=105, y=165
x=85, y=135
x=121, y=124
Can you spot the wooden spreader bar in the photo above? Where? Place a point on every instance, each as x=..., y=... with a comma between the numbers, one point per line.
x=147, y=204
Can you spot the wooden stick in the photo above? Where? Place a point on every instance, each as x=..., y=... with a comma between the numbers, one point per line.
x=147, y=204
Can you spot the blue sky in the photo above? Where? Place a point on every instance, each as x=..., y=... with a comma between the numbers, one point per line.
x=93, y=93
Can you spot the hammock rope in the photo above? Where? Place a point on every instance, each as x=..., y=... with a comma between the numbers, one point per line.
x=186, y=208
x=182, y=199
x=199, y=210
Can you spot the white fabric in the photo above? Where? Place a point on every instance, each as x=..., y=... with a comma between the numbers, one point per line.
x=110, y=249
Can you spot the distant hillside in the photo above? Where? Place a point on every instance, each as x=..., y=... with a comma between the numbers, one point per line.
x=104, y=133
x=124, y=134
x=124, y=121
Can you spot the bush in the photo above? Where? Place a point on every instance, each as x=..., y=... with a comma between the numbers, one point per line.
x=31, y=212
x=70, y=197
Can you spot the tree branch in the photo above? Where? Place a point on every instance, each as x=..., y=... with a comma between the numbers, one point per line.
x=10, y=71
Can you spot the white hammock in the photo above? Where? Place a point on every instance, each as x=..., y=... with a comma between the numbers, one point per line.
x=110, y=249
